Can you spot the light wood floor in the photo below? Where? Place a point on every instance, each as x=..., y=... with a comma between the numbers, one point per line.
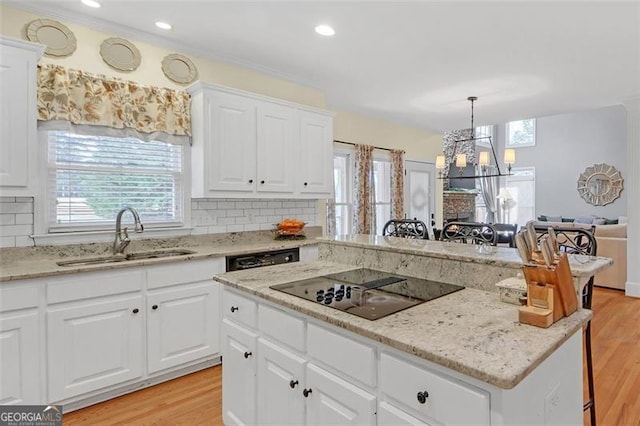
x=196, y=399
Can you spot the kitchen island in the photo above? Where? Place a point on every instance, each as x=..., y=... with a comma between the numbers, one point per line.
x=462, y=358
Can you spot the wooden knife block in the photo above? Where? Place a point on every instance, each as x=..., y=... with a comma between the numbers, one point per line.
x=551, y=285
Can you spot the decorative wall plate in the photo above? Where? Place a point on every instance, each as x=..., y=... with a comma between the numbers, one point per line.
x=59, y=39
x=600, y=184
x=179, y=68
x=120, y=54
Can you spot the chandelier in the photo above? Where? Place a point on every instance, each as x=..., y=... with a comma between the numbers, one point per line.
x=484, y=159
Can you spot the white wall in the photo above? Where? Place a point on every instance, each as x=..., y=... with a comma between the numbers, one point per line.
x=566, y=145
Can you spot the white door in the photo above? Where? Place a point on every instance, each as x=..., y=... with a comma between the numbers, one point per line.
x=238, y=375
x=182, y=325
x=19, y=359
x=316, y=154
x=331, y=400
x=232, y=152
x=280, y=384
x=94, y=345
x=276, y=147
x=419, y=191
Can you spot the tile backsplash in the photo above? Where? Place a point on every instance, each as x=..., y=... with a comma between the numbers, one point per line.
x=208, y=216
x=16, y=221
x=213, y=216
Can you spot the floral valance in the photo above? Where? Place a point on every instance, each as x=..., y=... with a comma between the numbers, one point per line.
x=82, y=99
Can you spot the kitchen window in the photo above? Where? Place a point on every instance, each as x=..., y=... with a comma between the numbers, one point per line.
x=90, y=178
x=343, y=183
x=382, y=183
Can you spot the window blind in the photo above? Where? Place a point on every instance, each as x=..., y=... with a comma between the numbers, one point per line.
x=90, y=178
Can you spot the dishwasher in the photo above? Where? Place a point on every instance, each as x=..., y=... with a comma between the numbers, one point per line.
x=264, y=258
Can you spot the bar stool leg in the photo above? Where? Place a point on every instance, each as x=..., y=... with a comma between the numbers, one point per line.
x=591, y=403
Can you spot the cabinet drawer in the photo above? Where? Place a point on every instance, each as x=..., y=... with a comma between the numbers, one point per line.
x=239, y=308
x=94, y=284
x=341, y=352
x=20, y=295
x=402, y=381
x=282, y=326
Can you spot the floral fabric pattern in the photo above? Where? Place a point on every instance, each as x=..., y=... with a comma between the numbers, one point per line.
x=85, y=99
x=397, y=184
x=364, y=214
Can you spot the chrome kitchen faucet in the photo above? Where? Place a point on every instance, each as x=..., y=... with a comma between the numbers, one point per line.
x=119, y=244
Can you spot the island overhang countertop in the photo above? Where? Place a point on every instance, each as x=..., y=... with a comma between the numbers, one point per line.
x=581, y=266
x=469, y=331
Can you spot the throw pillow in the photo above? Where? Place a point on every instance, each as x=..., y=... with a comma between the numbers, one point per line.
x=622, y=219
x=568, y=219
x=554, y=218
x=542, y=218
x=599, y=221
x=584, y=219
x=610, y=221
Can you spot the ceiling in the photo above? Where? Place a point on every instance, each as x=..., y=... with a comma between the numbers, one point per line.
x=413, y=63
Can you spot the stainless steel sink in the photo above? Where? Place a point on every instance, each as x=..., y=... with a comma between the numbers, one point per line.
x=157, y=254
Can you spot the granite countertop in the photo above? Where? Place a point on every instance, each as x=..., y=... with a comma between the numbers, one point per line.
x=35, y=262
x=581, y=266
x=469, y=331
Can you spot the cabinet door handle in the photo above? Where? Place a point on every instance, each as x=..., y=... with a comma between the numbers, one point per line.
x=136, y=310
x=250, y=180
x=154, y=307
x=234, y=308
x=247, y=354
x=292, y=383
x=262, y=182
x=305, y=184
x=306, y=392
x=422, y=397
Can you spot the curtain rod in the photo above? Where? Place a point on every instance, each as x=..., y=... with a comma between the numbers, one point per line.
x=375, y=147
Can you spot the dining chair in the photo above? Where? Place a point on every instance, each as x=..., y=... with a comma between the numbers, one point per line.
x=580, y=241
x=406, y=228
x=470, y=232
x=506, y=233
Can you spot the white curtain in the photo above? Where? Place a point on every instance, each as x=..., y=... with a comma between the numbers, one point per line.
x=489, y=188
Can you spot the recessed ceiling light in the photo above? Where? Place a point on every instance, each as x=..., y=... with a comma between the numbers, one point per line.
x=325, y=30
x=163, y=25
x=91, y=3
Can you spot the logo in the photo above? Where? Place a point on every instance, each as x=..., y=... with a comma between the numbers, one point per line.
x=30, y=415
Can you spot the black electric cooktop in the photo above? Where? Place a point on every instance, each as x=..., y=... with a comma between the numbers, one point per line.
x=367, y=293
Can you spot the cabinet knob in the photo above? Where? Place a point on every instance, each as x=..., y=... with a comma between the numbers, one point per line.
x=234, y=308
x=154, y=307
x=262, y=182
x=422, y=397
x=247, y=354
x=305, y=184
x=306, y=392
x=293, y=383
x=136, y=310
x=250, y=180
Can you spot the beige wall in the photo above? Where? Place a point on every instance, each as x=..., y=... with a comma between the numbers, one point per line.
x=418, y=144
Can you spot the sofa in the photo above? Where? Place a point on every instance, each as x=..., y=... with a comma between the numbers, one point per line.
x=612, y=242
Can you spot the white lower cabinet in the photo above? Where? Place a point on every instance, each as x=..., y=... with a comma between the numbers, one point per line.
x=94, y=345
x=280, y=384
x=238, y=374
x=182, y=325
x=19, y=355
x=316, y=374
x=332, y=400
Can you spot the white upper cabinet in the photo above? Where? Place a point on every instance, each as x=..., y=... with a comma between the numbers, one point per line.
x=247, y=145
x=316, y=159
x=18, y=144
